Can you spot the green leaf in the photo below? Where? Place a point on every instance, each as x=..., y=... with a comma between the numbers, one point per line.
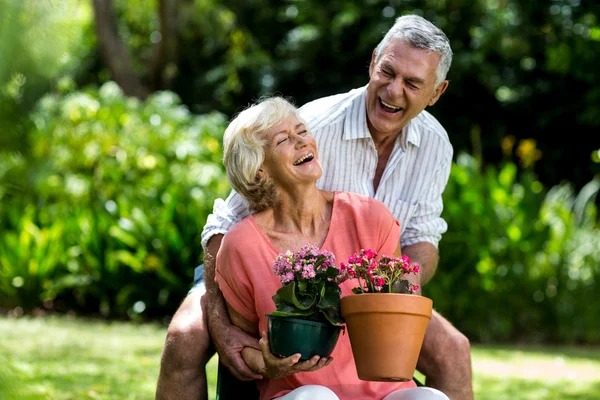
x=332, y=272
x=330, y=300
x=302, y=286
x=291, y=311
x=122, y=236
x=401, y=286
x=333, y=316
x=288, y=294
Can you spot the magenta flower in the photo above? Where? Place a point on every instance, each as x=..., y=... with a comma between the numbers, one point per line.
x=383, y=275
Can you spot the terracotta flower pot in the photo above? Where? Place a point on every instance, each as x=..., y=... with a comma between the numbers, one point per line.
x=386, y=332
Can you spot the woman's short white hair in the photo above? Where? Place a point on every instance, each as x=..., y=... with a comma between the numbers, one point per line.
x=420, y=34
x=244, y=149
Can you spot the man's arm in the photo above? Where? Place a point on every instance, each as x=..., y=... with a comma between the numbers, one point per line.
x=227, y=338
x=424, y=230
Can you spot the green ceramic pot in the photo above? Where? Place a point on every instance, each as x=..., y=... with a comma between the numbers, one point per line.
x=288, y=336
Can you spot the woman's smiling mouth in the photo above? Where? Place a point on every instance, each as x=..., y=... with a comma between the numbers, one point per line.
x=304, y=159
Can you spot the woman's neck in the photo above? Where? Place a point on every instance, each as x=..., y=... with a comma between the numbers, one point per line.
x=303, y=211
x=299, y=218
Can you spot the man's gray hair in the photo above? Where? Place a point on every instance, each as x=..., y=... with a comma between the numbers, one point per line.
x=420, y=34
x=243, y=149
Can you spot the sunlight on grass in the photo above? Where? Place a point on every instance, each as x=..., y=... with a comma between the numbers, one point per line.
x=536, y=373
x=65, y=358
x=62, y=358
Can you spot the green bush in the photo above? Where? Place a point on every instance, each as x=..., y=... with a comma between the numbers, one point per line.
x=117, y=195
x=105, y=217
x=517, y=263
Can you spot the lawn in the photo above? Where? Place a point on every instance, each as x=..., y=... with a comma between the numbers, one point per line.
x=68, y=358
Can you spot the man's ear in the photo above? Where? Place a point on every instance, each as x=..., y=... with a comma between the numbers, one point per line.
x=438, y=92
x=372, y=64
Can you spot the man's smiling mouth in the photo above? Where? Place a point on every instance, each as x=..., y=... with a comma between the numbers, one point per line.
x=389, y=107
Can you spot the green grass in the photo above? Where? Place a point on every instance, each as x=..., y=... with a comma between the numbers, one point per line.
x=67, y=358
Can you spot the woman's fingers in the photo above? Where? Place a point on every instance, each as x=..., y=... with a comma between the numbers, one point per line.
x=276, y=366
x=308, y=364
x=282, y=366
x=322, y=362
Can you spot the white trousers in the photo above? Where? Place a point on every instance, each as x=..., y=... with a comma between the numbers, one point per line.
x=316, y=392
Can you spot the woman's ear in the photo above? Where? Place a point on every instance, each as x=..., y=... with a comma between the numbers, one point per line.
x=260, y=175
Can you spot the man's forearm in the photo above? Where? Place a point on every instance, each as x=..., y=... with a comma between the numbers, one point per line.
x=215, y=306
x=426, y=255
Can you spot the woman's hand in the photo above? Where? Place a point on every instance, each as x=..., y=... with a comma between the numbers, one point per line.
x=277, y=367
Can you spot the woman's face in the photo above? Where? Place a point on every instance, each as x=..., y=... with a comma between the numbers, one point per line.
x=291, y=156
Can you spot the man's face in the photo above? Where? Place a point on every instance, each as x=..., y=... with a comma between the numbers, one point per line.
x=402, y=84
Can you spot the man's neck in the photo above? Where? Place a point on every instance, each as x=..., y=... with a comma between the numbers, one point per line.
x=384, y=144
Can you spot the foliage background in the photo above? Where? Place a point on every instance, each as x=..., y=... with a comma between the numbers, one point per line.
x=112, y=115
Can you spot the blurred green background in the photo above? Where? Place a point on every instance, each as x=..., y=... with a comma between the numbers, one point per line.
x=110, y=147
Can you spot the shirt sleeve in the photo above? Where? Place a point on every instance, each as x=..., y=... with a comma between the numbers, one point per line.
x=225, y=214
x=427, y=225
x=233, y=279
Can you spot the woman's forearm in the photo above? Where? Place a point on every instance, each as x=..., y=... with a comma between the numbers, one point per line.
x=254, y=360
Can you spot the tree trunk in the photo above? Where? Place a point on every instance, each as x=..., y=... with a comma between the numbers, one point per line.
x=114, y=51
x=164, y=63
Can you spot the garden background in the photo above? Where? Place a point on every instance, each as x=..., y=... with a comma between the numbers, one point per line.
x=112, y=114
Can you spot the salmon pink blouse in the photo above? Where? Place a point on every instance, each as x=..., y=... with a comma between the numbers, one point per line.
x=248, y=283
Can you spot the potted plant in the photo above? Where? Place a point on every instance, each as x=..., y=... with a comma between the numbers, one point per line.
x=386, y=318
x=307, y=319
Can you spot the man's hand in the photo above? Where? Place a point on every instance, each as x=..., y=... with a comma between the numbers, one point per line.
x=228, y=339
x=426, y=255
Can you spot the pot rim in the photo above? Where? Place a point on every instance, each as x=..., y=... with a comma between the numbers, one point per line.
x=303, y=321
x=386, y=303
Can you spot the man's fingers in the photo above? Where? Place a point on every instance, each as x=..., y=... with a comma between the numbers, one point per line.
x=242, y=339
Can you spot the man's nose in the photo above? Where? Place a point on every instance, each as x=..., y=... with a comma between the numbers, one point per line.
x=396, y=88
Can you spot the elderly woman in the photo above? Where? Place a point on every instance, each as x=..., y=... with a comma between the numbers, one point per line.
x=272, y=160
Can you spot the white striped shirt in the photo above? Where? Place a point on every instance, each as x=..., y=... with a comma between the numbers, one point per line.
x=411, y=185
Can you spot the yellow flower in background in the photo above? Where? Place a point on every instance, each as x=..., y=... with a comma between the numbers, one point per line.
x=508, y=143
x=528, y=153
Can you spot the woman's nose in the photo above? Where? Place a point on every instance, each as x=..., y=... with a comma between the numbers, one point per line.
x=301, y=140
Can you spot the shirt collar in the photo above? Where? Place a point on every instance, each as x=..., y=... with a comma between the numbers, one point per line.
x=356, y=127
x=355, y=121
x=412, y=133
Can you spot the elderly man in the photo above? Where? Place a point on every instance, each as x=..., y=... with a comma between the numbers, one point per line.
x=379, y=141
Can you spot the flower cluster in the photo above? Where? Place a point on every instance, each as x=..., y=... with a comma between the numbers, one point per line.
x=305, y=263
x=309, y=287
x=383, y=275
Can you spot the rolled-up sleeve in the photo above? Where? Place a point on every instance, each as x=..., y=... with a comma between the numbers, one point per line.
x=225, y=214
x=426, y=224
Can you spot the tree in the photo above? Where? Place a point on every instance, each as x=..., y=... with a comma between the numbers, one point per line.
x=115, y=53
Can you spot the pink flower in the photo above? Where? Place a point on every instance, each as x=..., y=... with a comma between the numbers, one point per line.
x=376, y=275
